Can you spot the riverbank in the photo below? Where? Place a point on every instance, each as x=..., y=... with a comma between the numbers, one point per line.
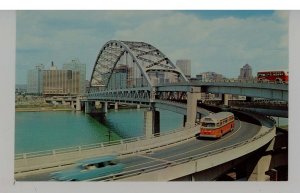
x=42, y=109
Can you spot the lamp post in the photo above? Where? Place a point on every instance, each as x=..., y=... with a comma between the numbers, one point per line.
x=109, y=134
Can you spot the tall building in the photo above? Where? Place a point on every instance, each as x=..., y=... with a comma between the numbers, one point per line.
x=61, y=82
x=68, y=81
x=35, y=80
x=245, y=73
x=76, y=65
x=185, y=67
x=209, y=76
x=53, y=67
x=118, y=79
x=157, y=77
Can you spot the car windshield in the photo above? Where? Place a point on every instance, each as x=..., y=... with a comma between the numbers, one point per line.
x=99, y=165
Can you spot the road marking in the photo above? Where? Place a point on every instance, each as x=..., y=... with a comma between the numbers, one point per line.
x=213, y=142
x=156, y=159
x=240, y=123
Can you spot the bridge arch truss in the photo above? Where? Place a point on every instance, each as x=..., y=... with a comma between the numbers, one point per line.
x=127, y=64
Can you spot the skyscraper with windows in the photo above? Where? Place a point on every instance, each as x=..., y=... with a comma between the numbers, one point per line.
x=35, y=80
x=54, y=81
x=246, y=73
x=185, y=67
x=209, y=76
x=76, y=65
x=61, y=82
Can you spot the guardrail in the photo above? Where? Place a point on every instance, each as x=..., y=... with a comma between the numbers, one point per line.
x=271, y=103
x=243, y=81
x=93, y=146
x=185, y=159
x=121, y=147
x=38, y=161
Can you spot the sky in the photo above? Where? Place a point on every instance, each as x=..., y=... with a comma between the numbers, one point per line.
x=218, y=41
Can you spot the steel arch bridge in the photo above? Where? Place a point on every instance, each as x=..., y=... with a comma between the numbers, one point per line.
x=128, y=64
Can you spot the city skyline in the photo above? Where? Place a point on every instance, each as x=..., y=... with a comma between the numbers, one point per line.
x=218, y=41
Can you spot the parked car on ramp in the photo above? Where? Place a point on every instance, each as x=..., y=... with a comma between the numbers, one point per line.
x=89, y=169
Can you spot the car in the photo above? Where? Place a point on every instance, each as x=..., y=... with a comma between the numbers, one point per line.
x=89, y=169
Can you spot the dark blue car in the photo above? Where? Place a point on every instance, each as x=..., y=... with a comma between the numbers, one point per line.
x=89, y=169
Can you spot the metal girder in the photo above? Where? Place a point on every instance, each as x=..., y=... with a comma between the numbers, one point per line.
x=123, y=95
x=146, y=60
x=148, y=53
x=105, y=59
x=137, y=44
x=157, y=62
x=137, y=50
x=114, y=65
x=113, y=50
x=111, y=53
x=171, y=95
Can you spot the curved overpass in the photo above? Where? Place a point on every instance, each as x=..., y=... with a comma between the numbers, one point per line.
x=194, y=155
x=197, y=155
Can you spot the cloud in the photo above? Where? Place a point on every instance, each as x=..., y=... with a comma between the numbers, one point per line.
x=221, y=44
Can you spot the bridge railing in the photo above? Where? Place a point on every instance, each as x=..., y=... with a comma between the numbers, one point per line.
x=92, y=146
x=242, y=81
x=260, y=104
x=179, y=161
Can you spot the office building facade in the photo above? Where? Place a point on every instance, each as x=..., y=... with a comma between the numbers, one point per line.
x=61, y=82
x=185, y=67
x=76, y=65
x=35, y=80
x=245, y=73
x=209, y=76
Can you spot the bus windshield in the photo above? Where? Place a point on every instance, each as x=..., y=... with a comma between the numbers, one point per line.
x=208, y=124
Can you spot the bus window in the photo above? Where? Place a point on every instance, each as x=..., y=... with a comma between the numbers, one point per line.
x=208, y=124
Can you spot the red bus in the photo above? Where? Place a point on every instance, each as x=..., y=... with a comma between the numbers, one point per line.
x=216, y=125
x=279, y=76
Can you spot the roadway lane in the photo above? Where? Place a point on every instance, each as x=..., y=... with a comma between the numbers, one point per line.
x=242, y=131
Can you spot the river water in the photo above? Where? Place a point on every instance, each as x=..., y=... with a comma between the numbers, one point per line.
x=38, y=131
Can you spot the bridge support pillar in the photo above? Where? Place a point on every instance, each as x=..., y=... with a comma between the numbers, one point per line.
x=104, y=107
x=263, y=164
x=151, y=123
x=138, y=106
x=148, y=123
x=192, y=97
x=72, y=104
x=116, y=106
x=78, y=106
x=88, y=107
x=225, y=99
